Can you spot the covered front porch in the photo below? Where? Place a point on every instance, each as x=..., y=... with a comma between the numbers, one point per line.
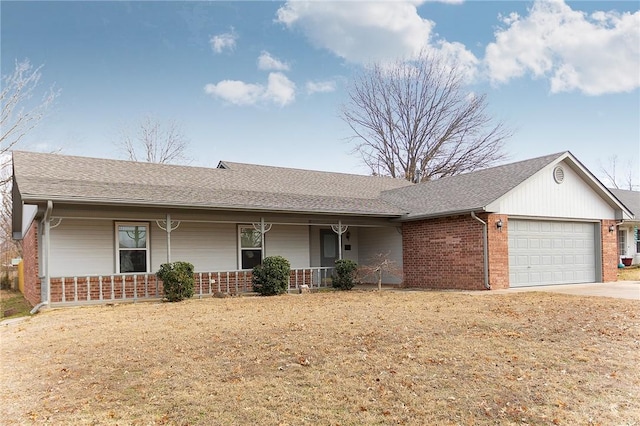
x=91, y=258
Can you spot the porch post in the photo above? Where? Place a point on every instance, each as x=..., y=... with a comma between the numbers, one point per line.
x=339, y=230
x=168, y=227
x=340, y=240
x=263, y=228
x=168, y=238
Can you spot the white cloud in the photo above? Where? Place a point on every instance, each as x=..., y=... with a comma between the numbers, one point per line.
x=266, y=62
x=320, y=87
x=235, y=92
x=364, y=32
x=594, y=54
x=359, y=31
x=279, y=90
x=223, y=41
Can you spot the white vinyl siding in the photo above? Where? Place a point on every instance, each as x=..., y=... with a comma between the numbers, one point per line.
x=541, y=196
x=374, y=241
x=208, y=246
x=551, y=252
x=82, y=247
x=290, y=242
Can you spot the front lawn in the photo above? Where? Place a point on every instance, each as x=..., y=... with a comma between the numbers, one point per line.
x=414, y=357
x=630, y=273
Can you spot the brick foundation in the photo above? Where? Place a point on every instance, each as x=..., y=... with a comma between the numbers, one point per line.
x=609, y=255
x=30, y=265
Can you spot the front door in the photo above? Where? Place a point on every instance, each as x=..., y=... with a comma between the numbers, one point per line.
x=328, y=247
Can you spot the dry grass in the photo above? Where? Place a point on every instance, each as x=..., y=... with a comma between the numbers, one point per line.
x=630, y=273
x=330, y=359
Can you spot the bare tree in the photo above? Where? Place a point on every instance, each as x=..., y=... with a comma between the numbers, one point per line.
x=155, y=142
x=20, y=112
x=378, y=266
x=413, y=119
x=622, y=180
x=23, y=106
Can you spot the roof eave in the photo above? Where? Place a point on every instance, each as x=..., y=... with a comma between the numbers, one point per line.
x=35, y=199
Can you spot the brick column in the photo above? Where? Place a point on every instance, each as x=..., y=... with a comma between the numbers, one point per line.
x=609, y=255
x=498, y=250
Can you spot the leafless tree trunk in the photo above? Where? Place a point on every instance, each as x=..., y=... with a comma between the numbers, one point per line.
x=610, y=173
x=414, y=120
x=154, y=142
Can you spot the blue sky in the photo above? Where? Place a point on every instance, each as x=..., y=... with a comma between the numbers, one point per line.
x=262, y=82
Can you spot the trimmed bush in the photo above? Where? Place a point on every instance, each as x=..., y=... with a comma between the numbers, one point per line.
x=177, y=280
x=272, y=277
x=345, y=274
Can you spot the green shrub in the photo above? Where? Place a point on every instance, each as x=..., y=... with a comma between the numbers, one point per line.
x=345, y=274
x=177, y=280
x=272, y=277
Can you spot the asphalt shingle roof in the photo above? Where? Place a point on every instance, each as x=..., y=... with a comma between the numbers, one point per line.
x=631, y=200
x=466, y=192
x=240, y=186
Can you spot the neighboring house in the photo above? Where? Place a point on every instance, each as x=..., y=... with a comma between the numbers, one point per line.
x=96, y=230
x=628, y=236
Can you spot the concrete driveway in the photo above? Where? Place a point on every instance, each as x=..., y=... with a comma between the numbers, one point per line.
x=619, y=290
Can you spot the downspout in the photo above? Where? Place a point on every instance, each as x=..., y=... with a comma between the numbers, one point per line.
x=46, y=253
x=485, y=249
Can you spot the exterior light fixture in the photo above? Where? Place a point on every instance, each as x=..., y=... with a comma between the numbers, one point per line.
x=499, y=224
x=348, y=235
x=612, y=228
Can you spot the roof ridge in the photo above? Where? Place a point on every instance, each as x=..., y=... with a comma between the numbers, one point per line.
x=264, y=166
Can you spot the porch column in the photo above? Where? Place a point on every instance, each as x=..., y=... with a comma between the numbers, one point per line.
x=340, y=229
x=168, y=227
x=263, y=228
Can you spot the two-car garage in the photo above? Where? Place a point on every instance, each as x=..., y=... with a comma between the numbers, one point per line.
x=552, y=252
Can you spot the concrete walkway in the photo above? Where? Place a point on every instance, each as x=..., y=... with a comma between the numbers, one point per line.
x=619, y=290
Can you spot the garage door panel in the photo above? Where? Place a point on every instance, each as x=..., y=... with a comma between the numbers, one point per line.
x=551, y=252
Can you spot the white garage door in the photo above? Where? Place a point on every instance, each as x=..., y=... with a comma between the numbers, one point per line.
x=548, y=252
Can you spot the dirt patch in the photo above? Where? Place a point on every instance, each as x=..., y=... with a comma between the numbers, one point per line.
x=328, y=358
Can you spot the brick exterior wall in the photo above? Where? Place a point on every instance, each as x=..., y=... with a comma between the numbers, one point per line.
x=443, y=253
x=30, y=265
x=609, y=251
x=498, y=250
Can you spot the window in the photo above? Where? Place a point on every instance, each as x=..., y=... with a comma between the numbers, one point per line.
x=250, y=247
x=132, y=247
x=637, y=235
x=622, y=242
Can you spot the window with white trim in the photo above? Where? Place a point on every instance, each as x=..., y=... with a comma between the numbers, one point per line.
x=250, y=246
x=622, y=242
x=132, y=247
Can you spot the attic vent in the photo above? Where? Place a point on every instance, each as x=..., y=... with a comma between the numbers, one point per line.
x=558, y=175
